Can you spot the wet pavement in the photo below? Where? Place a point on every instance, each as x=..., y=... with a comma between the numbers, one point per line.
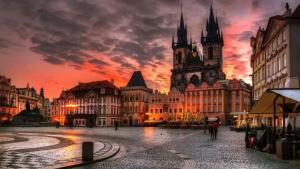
x=39, y=150
x=159, y=148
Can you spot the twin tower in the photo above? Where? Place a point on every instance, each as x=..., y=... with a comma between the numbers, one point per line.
x=189, y=66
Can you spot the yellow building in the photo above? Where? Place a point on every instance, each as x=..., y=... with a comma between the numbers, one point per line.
x=135, y=99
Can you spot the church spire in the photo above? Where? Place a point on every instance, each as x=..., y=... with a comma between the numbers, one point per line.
x=182, y=30
x=211, y=16
x=181, y=25
x=212, y=28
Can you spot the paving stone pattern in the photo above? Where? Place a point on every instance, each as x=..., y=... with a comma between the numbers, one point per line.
x=148, y=148
x=16, y=151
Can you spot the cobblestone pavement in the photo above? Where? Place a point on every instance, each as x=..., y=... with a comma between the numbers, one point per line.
x=174, y=148
x=40, y=150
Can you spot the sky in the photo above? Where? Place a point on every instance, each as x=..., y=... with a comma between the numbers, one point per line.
x=56, y=44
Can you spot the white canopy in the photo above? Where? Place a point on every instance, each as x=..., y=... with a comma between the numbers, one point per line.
x=265, y=105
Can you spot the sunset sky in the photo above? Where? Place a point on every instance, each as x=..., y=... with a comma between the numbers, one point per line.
x=57, y=43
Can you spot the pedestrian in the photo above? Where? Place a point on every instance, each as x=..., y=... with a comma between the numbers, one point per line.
x=116, y=125
x=215, y=130
x=211, y=132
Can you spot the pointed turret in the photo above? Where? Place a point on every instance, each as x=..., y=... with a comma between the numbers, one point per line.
x=222, y=40
x=173, y=43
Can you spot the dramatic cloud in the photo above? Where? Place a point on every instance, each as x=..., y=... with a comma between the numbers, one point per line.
x=112, y=38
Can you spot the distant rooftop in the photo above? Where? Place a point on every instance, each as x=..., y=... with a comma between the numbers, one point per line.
x=94, y=85
x=137, y=79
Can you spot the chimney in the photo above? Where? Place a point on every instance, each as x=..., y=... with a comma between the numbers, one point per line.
x=112, y=81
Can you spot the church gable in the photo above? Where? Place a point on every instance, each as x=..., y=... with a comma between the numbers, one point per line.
x=70, y=96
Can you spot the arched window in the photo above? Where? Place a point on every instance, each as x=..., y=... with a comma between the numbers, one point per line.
x=210, y=53
x=195, y=80
x=179, y=57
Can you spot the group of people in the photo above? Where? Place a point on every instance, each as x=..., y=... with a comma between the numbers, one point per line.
x=213, y=129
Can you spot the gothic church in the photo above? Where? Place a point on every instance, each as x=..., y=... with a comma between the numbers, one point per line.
x=189, y=66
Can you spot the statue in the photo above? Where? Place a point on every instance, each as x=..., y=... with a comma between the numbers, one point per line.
x=27, y=106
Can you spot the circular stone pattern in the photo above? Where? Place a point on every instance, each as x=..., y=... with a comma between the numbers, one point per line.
x=35, y=150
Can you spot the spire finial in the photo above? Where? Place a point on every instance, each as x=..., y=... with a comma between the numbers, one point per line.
x=287, y=6
x=181, y=6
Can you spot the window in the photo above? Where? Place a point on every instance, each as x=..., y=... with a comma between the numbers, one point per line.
x=274, y=45
x=210, y=53
x=275, y=66
x=279, y=63
x=160, y=110
x=179, y=57
x=284, y=60
x=284, y=35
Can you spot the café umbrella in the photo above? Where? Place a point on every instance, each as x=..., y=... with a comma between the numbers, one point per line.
x=212, y=119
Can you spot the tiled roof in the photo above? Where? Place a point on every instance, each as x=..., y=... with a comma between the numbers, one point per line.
x=83, y=88
x=94, y=85
x=136, y=80
x=296, y=12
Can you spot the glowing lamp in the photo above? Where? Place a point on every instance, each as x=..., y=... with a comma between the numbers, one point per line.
x=71, y=105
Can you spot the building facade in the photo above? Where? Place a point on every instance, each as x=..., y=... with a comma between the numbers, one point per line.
x=166, y=107
x=27, y=94
x=275, y=53
x=222, y=99
x=88, y=104
x=135, y=98
x=8, y=99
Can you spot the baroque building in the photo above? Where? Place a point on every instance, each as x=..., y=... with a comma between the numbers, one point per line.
x=275, y=53
x=88, y=104
x=135, y=99
x=13, y=100
x=8, y=99
x=27, y=94
x=223, y=99
x=166, y=107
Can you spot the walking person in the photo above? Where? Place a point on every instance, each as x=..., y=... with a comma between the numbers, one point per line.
x=211, y=131
x=215, y=129
x=116, y=125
